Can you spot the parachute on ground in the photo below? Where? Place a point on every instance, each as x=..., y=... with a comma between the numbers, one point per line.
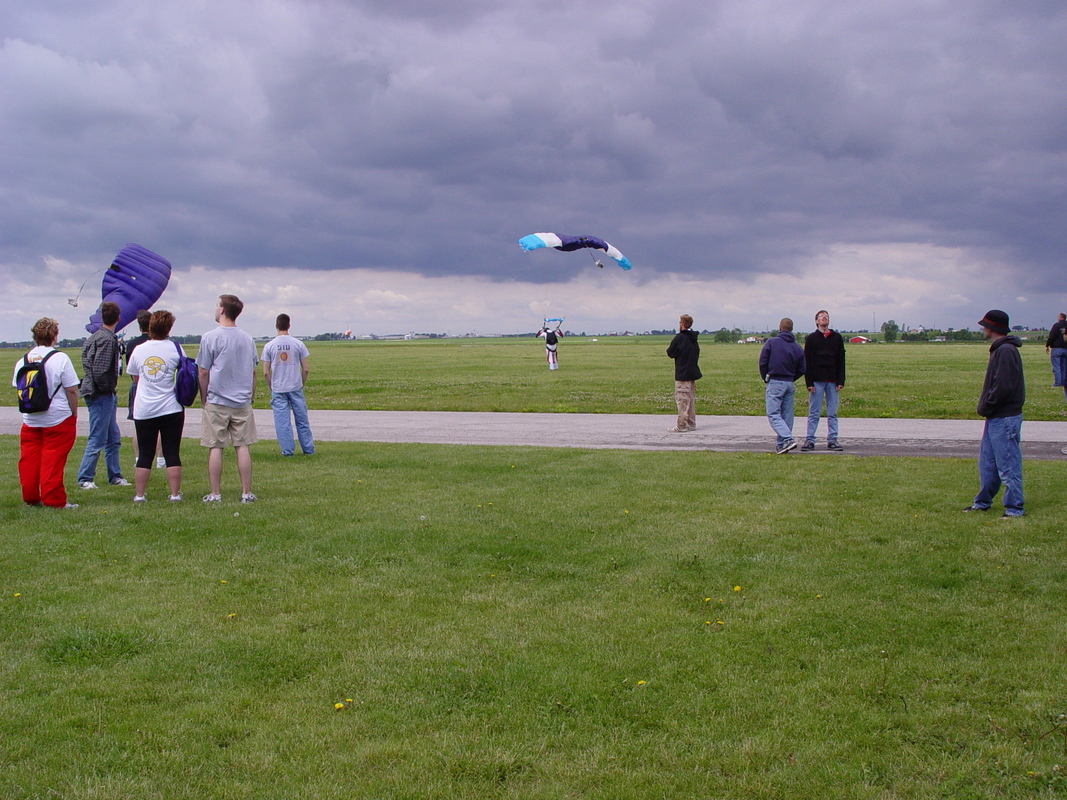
x=135, y=281
x=570, y=243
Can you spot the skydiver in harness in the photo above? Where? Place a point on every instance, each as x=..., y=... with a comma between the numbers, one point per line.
x=551, y=339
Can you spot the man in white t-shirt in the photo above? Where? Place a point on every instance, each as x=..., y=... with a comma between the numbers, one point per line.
x=46, y=437
x=285, y=368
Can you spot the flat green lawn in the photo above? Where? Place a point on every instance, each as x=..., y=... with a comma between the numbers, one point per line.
x=632, y=375
x=534, y=623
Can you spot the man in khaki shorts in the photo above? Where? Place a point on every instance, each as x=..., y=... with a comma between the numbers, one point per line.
x=226, y=365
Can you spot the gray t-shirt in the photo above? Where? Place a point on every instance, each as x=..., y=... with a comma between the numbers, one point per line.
x=284, y=354
x=229, y=355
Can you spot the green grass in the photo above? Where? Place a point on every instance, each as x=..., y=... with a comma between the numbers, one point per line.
x=632, y=375
x=534, y=623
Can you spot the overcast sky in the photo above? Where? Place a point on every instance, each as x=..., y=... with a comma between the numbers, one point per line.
x=370, y=164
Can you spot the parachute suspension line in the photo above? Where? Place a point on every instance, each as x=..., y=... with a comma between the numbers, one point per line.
x=74, y=300
x=595, y=259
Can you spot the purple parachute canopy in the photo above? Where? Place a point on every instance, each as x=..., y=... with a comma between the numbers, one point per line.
x=135, y=280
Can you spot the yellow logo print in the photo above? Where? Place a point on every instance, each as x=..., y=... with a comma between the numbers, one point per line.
x=153, y=364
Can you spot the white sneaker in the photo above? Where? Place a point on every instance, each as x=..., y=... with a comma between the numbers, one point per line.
x=141, y=499
x=161, y=462
x=212, y=498
x=71, y=505
x=248, y=498
x=87, y=485
x=175, y=498
x=120, y=482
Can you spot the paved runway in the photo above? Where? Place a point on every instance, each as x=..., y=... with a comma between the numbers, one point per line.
x=860, y=437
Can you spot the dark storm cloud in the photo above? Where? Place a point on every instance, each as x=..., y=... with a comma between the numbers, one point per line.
x=729, y=138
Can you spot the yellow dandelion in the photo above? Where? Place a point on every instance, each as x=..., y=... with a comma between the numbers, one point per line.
x=18, y=594
x=707, y=599
x=640, y=683
x=231, y=615
x=338, y=706
x=818, y=597
x=719, y=622
x=348, y=699
x=624, y=511
x=708, y=622
x=737, y=588
x=222, y=581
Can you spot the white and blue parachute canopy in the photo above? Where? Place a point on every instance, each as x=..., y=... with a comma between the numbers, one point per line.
x=570, y=243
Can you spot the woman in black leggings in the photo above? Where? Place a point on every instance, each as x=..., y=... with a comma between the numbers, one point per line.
x=156, y=411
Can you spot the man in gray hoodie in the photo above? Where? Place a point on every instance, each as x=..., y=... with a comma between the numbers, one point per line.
x=1000, y=459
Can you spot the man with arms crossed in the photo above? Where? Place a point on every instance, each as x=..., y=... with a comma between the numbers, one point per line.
x=685, y=350
x=285, y=369
x=226, y=366
x=824, y=357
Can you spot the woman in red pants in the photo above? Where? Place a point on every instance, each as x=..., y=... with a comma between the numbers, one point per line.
x=47, y=436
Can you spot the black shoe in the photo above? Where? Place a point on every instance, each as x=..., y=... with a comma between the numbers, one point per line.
x=833, y=446
x=808, y=445
x=786, y=446
x=975, y=508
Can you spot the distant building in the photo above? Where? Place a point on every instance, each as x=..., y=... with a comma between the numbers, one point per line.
x=858, y=340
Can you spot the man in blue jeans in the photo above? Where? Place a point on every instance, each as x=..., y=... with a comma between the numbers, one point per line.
x=285, y=368
x=781, y=363
x=824, y=357
x=1000, y=459
x=100, y=363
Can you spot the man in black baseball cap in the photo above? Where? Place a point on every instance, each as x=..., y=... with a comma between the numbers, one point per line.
x=1000, y=460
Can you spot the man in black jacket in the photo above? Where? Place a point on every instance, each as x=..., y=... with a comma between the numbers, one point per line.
x=685, y=350
x=1056, y=347
x=1000, y=459
x=824, y=356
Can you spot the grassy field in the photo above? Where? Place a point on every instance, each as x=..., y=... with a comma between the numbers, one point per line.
x=408, y=621
x=632, y=375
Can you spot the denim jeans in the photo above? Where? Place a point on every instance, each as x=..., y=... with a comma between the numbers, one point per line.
x=780, y=396
x=819, y=390
x=103, y=435
x=1000, y=460
x=281, y=403
x=1058, y=355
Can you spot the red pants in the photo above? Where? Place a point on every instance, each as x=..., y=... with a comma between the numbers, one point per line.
x=42, y=459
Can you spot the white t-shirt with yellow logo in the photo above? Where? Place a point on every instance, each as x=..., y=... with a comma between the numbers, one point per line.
x=154, y=363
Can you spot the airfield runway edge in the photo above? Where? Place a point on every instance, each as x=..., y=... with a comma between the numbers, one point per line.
x=729, y=434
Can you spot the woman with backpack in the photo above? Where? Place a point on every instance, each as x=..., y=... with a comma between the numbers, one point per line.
x=156, y=410
x=48, y=398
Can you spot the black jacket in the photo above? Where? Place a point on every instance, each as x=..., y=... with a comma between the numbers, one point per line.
x=1056, y=335
x=824, y=358
x=685, y=350
x=1004, y=390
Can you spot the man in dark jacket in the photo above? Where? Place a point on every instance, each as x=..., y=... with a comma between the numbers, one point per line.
x=100, y=361
x=781, y=362
x=1000, y=459
x=1056, y=347
x=824, y=357
x=685, y=350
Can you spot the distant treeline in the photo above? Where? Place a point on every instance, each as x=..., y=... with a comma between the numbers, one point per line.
x=67, y=344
